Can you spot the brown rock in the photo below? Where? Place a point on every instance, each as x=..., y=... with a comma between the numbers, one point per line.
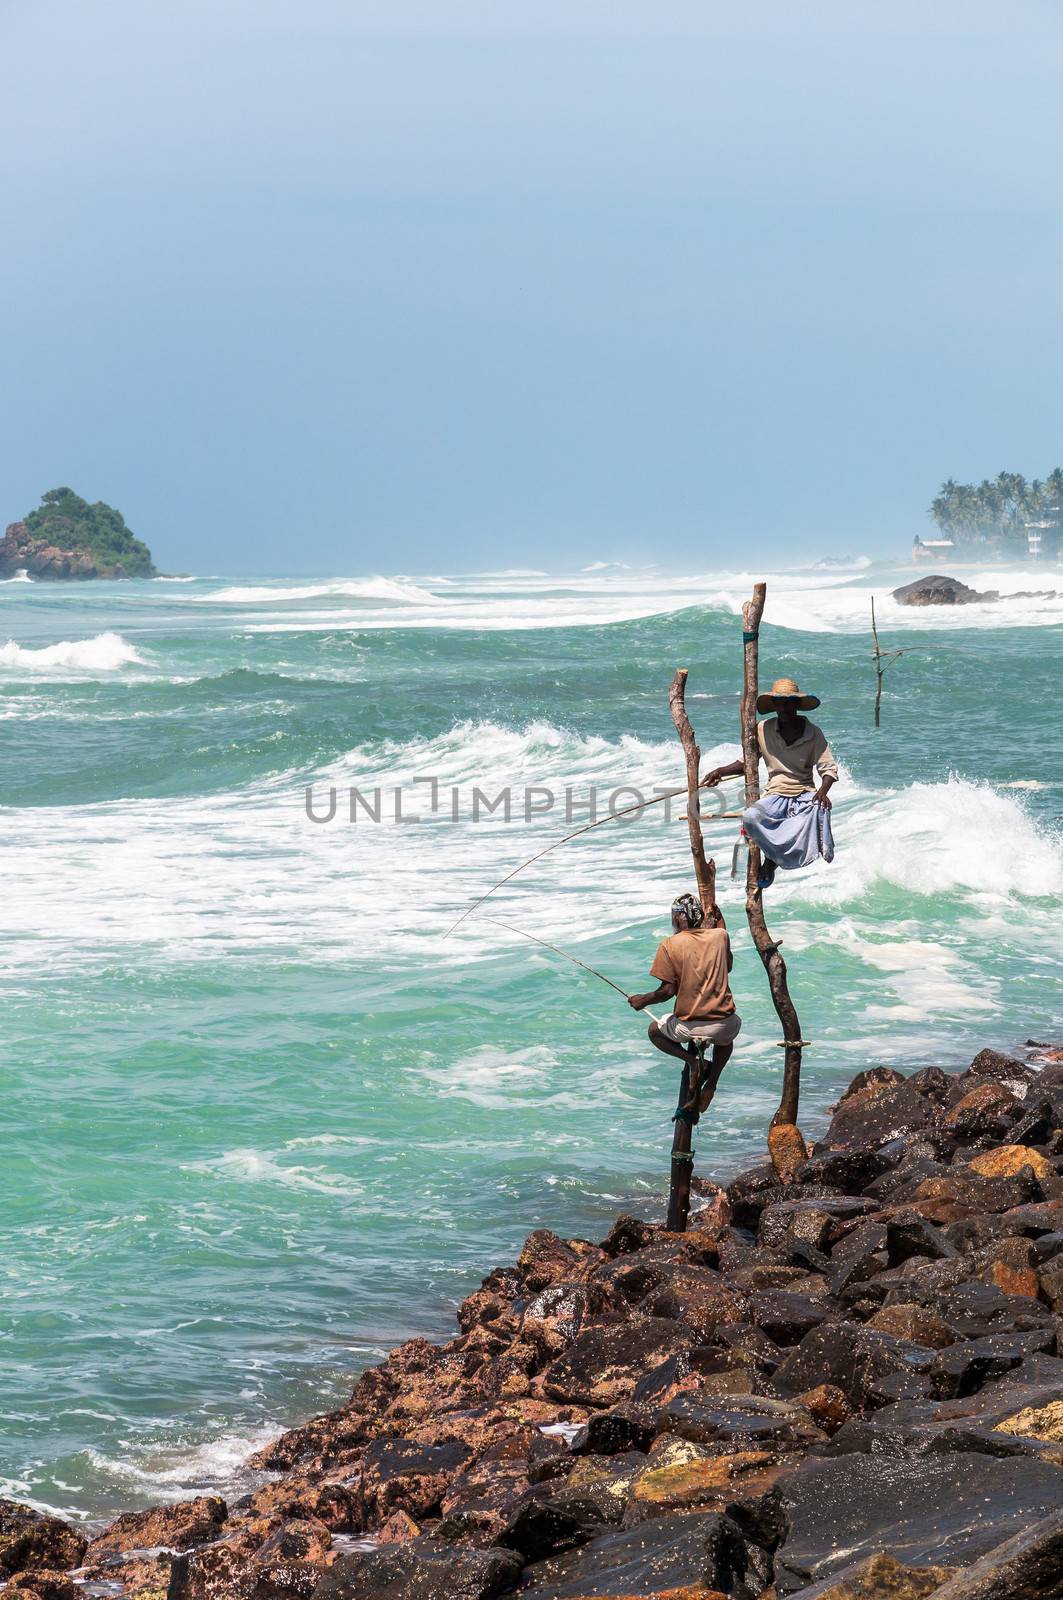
x=873, y=1078
x=788, y=1150
x=42, y=1585
x=334, y=1504
x=880, y=1577
x=1008, y=1160
x=1014, y=1280
x=546, y=1259
x=915, y=1324
x=397, y=1529
x=604, y=1365
x=298, y=1539
x=1035, y=1422
x=712, y=1213
x=32, y=1540
x=179, y=1527
x=983, y=1109
x=826, y=1405
x=699, y=1482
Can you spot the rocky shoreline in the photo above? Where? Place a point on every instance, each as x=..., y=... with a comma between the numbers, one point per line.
x=845, y=1388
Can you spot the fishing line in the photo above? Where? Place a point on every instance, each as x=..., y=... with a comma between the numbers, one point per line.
x=559, y=952
x=586, y=828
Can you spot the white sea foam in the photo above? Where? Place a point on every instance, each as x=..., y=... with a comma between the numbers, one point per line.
x=257, y=1166
x=183, y=1471
x=104, y=653
x=247, y=872
x=354, y=589
x=21, y=576
x=938, y=839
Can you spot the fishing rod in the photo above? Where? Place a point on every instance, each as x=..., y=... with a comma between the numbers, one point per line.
x=624, y=811
x=558, y=952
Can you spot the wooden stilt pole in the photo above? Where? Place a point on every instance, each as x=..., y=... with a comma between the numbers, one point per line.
x=704, y=871
x=705, y=874
x=682, y=1162
x=785, y=1143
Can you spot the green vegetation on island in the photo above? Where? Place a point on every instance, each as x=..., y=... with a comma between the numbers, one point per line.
x=66, y=537
x=1003, y=511
x=70, y=523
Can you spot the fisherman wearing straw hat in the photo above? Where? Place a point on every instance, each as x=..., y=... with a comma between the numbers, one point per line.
x=791, y=822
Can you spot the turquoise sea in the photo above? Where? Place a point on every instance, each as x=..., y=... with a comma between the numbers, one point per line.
x=261, y=1120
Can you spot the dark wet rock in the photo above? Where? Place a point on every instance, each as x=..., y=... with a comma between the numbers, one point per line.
x=900, y=1182
x=603, y=1366
x=785, y=1317
x=697, y=1551
x=896, y=1386
x=702, y=1482
x=975, y=1234
x=940, y=1087
x=752, y=1342
x=555, y=1316
x=848, y=1171
x=704, y=1370
x=745, y=1421
x=908, y=1234
x=1028, y=1566
x=963, y=1369
x=750, y=1192
x=973, y=1193
x=33, y=1540
x=1040, y=1119
x=873, y=1078
x=945, y=1510
x=810, y=1221
x=549, y=1458
x=1005, y=1069
x=624, y=1427
x=985, y=1109
x=851, y=1357
x=874, y=1116
x=421, y=1570
x=400, y=1474
x=914, y=1324
x=975, y=1309
x=937, y=590
x=627, y=1235
x=547, y=1523
x=734, y=1248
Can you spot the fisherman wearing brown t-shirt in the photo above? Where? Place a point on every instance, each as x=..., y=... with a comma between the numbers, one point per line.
x=692, y=966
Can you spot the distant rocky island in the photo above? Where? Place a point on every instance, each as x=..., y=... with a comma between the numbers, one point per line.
x=66, y=537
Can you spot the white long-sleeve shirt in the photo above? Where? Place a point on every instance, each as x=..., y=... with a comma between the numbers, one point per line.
x=790, y=765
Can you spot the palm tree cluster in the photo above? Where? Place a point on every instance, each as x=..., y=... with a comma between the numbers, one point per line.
x=1000, y=508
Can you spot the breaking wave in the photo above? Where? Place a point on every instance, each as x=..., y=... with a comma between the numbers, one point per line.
x=355, y=589
x=104, y=653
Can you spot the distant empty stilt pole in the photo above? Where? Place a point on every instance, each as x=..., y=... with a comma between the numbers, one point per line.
x=785, y=1143
x=883, y=659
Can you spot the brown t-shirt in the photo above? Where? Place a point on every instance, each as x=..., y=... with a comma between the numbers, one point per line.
x=696, y=962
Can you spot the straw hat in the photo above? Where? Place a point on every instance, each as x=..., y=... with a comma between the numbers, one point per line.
x=786, y=689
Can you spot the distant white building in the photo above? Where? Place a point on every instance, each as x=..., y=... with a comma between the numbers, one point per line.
x=928, y=549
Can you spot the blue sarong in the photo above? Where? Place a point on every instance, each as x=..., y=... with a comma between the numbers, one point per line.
x=792, y=830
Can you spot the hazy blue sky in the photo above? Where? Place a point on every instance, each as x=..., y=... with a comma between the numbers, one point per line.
x=438, y=284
